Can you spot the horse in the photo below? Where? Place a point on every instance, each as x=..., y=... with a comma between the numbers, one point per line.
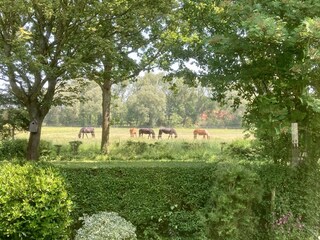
x=85, y=131
x=170, y=131
x=148, y=131
x=133, y=132
x=202, y=132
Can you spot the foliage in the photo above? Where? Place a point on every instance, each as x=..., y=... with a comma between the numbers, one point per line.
x=235, y=199
x=39, y=42
x=244, y=149
x=148, y=101
x=16, y=149
x=291, y=206
x=164, y=151
x=13, y=149
x=162, y=202
x=266, y=52
x=104, y=226
x=34, y=203
x=119, y=46
x=230, y=211
x=147, y=106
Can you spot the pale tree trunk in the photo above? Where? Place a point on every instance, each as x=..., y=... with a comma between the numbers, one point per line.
x=106, y=103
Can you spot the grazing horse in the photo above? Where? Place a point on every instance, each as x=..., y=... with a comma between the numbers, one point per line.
x=85, y=131
x=148, y=131
x=133, y=132
x=202, y=132
x=170, y=131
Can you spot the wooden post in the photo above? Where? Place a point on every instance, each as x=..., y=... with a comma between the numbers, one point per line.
x=295, y=144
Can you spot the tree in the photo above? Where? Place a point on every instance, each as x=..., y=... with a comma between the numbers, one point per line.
x=13, y=116
x=118, y=31
x=38, y=46
x=146, y=106
x=188, y=102
x=266, y=51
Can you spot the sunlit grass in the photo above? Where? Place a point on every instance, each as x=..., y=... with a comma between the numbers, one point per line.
x=124, y=148
x=63, y=135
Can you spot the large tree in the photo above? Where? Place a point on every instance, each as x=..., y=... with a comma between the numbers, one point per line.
x=266, y=51
x=122, y=39
x=38, y=45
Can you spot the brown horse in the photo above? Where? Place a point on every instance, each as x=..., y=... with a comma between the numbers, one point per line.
x=170, y=131
x=133, y=132
x=85, y=131
x=202, y=132
x=148, y=131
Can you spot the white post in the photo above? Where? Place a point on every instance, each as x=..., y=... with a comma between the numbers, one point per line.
x=295, y=143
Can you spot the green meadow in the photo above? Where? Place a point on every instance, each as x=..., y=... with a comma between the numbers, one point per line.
x=63, y=135
x=138, y=149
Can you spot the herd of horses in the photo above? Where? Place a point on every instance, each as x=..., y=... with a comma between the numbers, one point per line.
x=149, y=131
x=171, y=131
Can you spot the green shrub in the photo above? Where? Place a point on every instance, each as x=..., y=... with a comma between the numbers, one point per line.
x=13, y=149
x=243, y=149
x=162, y=202
x=164, y=150
x=17, y=149
x=230, y=210
x=225, y=200
x=291, y=209
x=106, y=226
x=34, y=203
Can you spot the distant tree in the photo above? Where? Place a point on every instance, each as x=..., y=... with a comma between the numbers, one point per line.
x=146, y=106
x=187, y=102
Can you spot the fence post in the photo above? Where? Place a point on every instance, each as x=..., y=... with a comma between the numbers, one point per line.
x=295, y=144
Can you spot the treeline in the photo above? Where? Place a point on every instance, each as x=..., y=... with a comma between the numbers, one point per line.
x=149, y=101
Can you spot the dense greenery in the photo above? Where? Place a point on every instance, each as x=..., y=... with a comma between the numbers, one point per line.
x=225, y=200
x=34, y=203
x=265, y=52
x=148, y=102
x=232, y=192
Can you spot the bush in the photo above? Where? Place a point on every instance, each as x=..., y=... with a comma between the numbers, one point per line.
x=230, y=210
x=13, y=149
x=17, y=149
x=34, y=203
x=244, y=149
x=104, y=226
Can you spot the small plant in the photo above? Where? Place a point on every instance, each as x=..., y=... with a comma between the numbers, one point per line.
x=104, y=226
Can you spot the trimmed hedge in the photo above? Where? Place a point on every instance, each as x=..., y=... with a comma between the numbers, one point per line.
x=218, y=201
x=158, y=201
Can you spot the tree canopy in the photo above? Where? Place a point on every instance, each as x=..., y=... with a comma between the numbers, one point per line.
x=265, y=51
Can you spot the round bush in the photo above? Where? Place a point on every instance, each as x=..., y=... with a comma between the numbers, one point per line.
x=106, y=226
x=34, y=203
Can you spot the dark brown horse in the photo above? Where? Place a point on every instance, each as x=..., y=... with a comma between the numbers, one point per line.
x=170, y=131
x=148, y=131
x=85, y=131
x=202, y=132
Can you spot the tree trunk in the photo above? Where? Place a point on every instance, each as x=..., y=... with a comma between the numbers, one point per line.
x=106, y=103
x=33, y=149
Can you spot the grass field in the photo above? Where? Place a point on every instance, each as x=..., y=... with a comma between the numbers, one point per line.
x=63, y=135
x=183, y=148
